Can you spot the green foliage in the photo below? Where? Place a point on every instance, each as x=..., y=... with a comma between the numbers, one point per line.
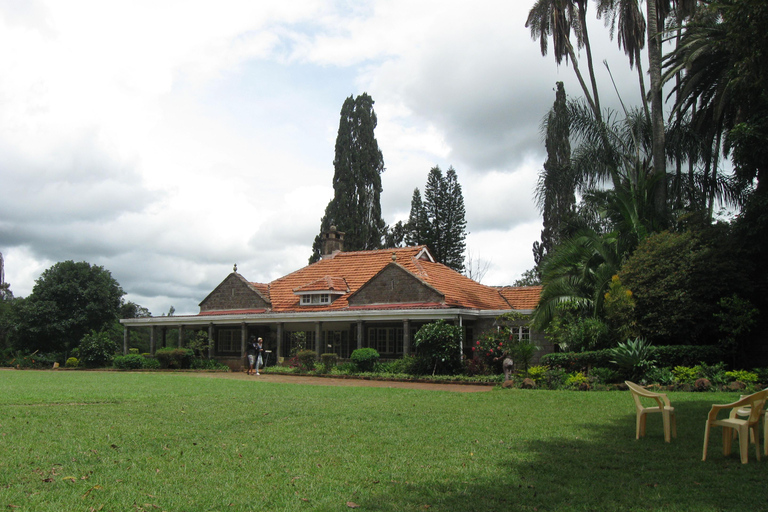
x=150, y=363
x=365, y=359
x=133, y=351
x=439, y=221
x=744, y=376
x=677, y=279
x=96, y=350
x=605, y=375
x=537, y=373
x=633, y=357
x=620, y=311
x=200, y=344
x=438, y=344
x=175, y=358
x=72, y=362
x=685, y=374
x=199, y=363
x=305, y=360
x=68, y=301
x=129, y=362
x=358, y=163
x=576, y=380
x=661, y=376
x=737, y=318
x=328, y=362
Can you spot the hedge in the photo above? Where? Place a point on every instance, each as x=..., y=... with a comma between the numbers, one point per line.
x=667, y=356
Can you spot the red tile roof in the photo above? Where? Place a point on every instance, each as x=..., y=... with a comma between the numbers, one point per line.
x=348, y=271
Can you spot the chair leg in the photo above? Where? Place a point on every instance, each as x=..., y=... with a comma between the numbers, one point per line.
x=744, y=445
x=765, y=434
x=727, y=440
x=665, y=420
x=756, y=435
x=641, y=417
x=674, y=425
x=706, y=442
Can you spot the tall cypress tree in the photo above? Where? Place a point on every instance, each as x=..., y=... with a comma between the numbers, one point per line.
x=439, y=221
x=556, y=189
x=358, y=163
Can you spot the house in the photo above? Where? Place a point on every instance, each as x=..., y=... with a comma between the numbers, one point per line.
x=345, y=301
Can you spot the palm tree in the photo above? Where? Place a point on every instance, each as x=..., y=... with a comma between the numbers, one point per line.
x=579, y=272
x=556, y=19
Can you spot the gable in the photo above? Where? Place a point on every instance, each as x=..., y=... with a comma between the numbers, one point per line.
x=393, y=285
x=234, y=293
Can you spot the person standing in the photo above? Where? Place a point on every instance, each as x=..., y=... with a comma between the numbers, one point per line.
x=251, y=350
x=259, y=353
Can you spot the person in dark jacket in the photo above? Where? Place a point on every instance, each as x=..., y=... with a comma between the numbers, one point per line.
x=259, y=354
x=251, y=349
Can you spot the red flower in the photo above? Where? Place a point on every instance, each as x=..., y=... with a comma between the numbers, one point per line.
x=473, y=349
x=478, y=342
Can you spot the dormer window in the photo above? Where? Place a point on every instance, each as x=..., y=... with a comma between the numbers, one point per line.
x=315, y=299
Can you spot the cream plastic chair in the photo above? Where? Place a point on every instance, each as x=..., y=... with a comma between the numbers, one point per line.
x=755, y=403
x=663, y=406
x=745, y=411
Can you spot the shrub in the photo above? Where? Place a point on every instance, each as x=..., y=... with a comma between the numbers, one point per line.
x=305, y=360
x=715, y=373
x=403, y=365
x=128, y=362
x=661, y=376
x=175, y=358
x=151, y=364
x=133, y=351
x=537, y=373
x=685, y=374
x=96, y=350
x=439, y=344
x=605, y=375
x=72, y=362
x=576, y=380
x=328, y=362
x=365, y=359
x=473, y=367
x=742, y=376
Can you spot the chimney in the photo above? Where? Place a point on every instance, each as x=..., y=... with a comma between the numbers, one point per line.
x=333, y=243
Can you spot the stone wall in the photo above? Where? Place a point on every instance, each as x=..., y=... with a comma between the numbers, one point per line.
x=393, y=285
x=233, y=293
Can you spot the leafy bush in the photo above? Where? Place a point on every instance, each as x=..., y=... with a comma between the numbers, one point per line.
x=365, y=359
x=715, y=373
x=685, y=374
x=742, y=376
x=96, y=350
x=537, y=373
x=328, y=362
x=133, y=351
x=474, y=367
x=576, y=380
x=661, y=376
x=403, y=365
x=128, y=362
x=72, y=362
x=578, y=361
x=439, y=345
x=669, y=356
x=175, y=358
x=305, y=360
x=151, y=363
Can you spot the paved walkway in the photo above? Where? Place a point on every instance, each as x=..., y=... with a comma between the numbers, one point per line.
x=327, y=381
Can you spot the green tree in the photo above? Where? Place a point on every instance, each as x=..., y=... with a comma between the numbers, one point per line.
x=556, y=188
x=677, y=280
x=68, y=301
x=438, y=346
x=358, y=163
x=439, y=221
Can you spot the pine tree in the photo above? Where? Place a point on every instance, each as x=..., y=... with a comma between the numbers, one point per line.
x=439, y=221
x=358, y=163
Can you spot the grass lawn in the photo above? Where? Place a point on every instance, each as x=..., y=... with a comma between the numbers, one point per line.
x=82, y=441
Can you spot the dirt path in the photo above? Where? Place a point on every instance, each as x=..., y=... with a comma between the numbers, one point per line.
x=327, y=381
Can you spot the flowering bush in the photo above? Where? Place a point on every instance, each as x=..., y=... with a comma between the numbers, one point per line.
x=492, y=345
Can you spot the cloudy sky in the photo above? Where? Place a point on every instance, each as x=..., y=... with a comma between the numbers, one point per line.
x=168, y=140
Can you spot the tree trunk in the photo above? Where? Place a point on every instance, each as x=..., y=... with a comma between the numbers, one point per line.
x=657, y=110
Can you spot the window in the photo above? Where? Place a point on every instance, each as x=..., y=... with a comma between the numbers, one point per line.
x=315, y=299
x=386, y=340
x=520, y=332
x=229, y=340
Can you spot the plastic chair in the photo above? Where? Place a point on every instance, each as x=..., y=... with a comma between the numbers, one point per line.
x=663, y=406
x=755, y=403
x=745, y=411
